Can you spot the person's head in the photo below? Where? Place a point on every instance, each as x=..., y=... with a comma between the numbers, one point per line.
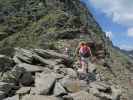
x=82, y=43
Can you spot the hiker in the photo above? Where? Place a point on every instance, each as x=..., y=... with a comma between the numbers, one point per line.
x=66, y=51
x=84, y=53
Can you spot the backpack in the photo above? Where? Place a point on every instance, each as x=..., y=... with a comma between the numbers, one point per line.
x=84, y=51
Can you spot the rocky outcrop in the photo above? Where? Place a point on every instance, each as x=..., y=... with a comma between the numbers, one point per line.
x=55, y=24
x=43, y=75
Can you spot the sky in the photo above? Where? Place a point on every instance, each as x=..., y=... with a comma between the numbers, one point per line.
x=115, y=18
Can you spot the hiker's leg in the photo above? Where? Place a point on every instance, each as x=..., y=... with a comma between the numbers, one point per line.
x=87, y=68
x=86, y=65
x=81, y=63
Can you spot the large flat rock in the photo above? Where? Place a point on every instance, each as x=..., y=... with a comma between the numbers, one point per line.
x=31, y=68
x=44, y=82
x=39, y=97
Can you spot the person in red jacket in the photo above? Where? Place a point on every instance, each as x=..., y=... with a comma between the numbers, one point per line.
x=85, y=54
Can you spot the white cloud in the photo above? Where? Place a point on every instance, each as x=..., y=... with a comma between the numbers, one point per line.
x=126, y=47
x=130, y=32
x=121, y=11
x=109, y=34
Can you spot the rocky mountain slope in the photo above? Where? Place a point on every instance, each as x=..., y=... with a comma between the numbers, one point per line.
x=56, y=24
x=39, y=74
x=129, y=53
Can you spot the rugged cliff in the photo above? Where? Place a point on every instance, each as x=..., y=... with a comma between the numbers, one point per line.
x=56, y=24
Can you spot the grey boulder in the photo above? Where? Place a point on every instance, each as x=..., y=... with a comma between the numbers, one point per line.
x=44, y=82
x=26, y=79
x=59, y=89
x=30, y=68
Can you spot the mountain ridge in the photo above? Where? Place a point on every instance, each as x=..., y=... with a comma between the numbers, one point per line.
x=50, y=24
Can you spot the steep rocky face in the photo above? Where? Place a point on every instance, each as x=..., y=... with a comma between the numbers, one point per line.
x=57, y=24
x=24, y=23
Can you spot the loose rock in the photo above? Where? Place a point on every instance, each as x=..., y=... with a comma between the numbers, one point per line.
x=59, y=90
